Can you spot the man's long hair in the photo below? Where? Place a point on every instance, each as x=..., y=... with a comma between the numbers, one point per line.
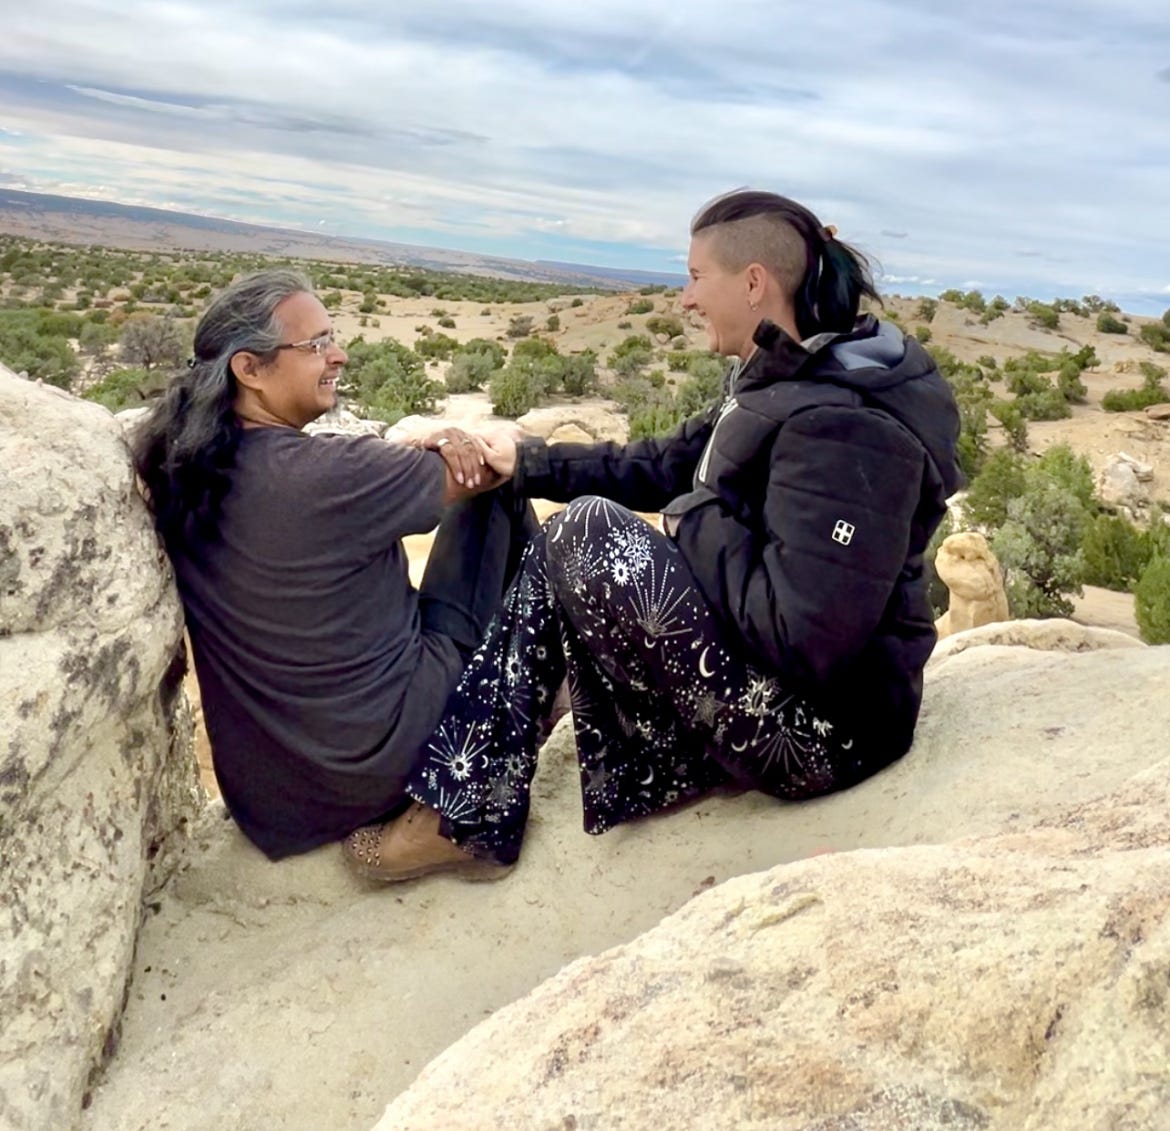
x=185, y=449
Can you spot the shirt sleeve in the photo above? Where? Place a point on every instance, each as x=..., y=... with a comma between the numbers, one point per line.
x=381, y=491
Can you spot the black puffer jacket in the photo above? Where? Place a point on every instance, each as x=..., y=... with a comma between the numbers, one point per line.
x=805, y=503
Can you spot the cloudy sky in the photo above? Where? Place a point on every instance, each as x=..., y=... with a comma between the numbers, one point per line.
x=1018, y=146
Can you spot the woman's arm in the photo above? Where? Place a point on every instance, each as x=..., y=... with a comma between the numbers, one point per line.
x=644, y=475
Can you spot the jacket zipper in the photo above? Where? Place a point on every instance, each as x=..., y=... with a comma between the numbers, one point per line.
x=728, y=407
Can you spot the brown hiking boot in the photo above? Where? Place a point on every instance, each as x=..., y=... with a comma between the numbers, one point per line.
x=411, y=846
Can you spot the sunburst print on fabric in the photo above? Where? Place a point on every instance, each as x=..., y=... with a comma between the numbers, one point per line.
x=662, y=709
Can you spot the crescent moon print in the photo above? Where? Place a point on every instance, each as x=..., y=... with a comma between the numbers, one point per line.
x=847, y=745
x=649, y=779
x=703, y=670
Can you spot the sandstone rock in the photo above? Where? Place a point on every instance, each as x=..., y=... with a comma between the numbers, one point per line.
x=1048, y=635
x=1158, y=411
x=297, y=997
x=1119, y=484
x=1143, y=471
x=971, y=572
x=1017, y=983
x=95, y=767
x=599, y=421
x=342, y=422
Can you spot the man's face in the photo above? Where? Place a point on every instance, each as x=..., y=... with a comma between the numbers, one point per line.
x=299, y=385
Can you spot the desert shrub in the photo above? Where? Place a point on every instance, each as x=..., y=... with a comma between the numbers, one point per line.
x=577, y=302
x=520, y=326
x=640, y=306
x=388, y=380
x=923, y=334
x=1152, y=601
x=494, y=350
x=1108, y=324
x=148, y=340
x=624, y=325
x=552, y=322
x=665, y=324
x=447, y=322
x=368, y=304
x=1152, y=391
x=126, y=388
x=1044, y=315
x=1015, y=423
x=27, y=346
x=1001, y=479
x=986, y=361
x=1115, y=552
x=1039, y=547
x=926, y=309
x=1156, y=336
x=436, y=346
x=96, y=337
x=331, y=300
x=515, y=389
x=469, y=371
x=579, y=373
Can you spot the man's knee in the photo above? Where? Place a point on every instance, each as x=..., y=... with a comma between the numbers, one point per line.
x=576, y=539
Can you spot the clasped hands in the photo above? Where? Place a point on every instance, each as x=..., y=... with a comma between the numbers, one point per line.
x=477, y=461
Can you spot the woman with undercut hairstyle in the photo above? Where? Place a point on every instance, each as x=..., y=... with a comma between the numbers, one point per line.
x=774, y=636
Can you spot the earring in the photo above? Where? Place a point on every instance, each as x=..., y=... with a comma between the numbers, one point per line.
x=754, y=305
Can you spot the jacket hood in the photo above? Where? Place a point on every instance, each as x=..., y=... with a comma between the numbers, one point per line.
x=886, y=369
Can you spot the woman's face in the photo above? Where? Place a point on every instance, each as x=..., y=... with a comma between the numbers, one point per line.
x=721, y=297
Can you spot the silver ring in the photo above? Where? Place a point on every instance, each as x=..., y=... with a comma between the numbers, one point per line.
x=441, y=441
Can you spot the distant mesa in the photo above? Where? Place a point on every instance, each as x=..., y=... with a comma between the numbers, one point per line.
x=186, y=230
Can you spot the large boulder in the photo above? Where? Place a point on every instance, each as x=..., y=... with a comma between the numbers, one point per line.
x=1012, y=983
x=970, y=570
x=293, y=995
x=95, y=766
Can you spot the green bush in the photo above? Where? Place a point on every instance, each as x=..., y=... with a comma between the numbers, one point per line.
x=1115, y=552
x=1001, y=479
x=447, y=322
x=436, y=346
x=520, y=326
x=388, y=380
x=665, y=324
x=494, y=350
x=1152, y=601
x=1108, y=324
x=1015, y=423
x=1156, y=336
x=926, y=309
x=469, y=371
x=1043, y=315
x=552, y=322
x=923, y=334
x=515, y=389
x=125, y=388
x=579, y=373
x=26, y=346
x=577, y=302
x=1151, y=392
x=1039, y=547
x=640, y=306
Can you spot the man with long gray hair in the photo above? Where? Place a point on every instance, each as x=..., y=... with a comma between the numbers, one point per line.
x=322, y=669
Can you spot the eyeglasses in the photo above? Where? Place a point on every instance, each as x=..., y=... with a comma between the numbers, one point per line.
x=317, y=345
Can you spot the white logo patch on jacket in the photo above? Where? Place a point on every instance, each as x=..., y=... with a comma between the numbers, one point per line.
x=843, y=532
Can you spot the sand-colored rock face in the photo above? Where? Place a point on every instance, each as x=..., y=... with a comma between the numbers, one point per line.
x=95, y=762
x=971, y=572
x=297, y=997
x=1014, y=983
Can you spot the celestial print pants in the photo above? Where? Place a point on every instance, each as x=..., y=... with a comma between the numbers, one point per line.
x=662, y=710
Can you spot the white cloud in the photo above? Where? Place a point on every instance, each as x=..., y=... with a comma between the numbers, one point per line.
x=981, y=132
